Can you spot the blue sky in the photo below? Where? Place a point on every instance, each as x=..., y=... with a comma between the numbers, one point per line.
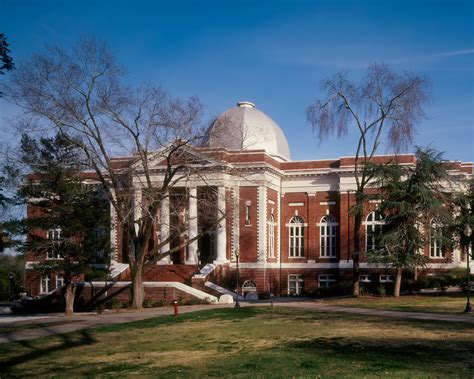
x=274, y=53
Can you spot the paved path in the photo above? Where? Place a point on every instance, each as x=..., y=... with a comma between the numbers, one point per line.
x=60, y=324
x=321, y=307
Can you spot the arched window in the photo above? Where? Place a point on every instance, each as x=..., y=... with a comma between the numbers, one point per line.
x=271, y=237
x=373, y=230
x=327, y=229
x=436, y=250
x=296, y=237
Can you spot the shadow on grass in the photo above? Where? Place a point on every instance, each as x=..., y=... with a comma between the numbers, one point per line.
x=391, y=351
x=66, y=341
x=225, y=314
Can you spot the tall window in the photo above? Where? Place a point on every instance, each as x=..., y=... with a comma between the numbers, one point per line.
x=296, y=237
x=53, y=235
x=373, y=230
x=44, y=284
x=295, y=284
x=436, y=250
x=271, y=237
x=328, y=236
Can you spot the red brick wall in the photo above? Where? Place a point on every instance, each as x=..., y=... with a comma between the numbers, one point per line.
x=248, y=233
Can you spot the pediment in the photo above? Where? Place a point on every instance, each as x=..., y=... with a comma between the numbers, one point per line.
x=180, y=155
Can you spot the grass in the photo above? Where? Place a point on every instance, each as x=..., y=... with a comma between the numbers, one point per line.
x=452, y=303
x=251, y=342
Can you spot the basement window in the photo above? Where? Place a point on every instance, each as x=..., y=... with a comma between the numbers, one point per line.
x=386, y=279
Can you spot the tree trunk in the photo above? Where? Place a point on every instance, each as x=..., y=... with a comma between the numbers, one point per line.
x=356, y=257
x=138, y=292
x=70, y=294
x=398, y=282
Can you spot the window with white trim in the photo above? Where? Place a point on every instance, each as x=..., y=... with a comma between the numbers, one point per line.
x=365, y=278
x=271, y=237
x=59, y=281
x=373, y=230
x=326, y=280
x=436, y=250
x=295, y=284
x=44, y=284
x=327, y=229
x=53, y=235
x=296, y=237
x=386, y=279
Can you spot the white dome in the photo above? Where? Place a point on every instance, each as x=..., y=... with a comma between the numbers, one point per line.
x=246, y=128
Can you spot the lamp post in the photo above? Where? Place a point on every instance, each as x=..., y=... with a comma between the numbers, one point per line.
x=467, y=233
x=237, y=304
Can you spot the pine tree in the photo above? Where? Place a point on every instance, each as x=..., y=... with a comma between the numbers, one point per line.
x=69, y=225
x=412, y=198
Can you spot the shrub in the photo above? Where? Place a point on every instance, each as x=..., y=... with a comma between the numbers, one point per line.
x=115, y=304
x=339, y=288
x=381, y=290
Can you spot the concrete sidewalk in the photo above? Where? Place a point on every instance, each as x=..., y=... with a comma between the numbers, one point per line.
x=61, y=324
x=321, y=307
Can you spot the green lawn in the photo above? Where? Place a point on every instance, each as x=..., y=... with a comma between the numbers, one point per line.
x=251, y=343
x=453, y=303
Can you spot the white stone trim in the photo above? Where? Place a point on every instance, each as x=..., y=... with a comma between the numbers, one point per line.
x=222, y=290
x=262, y=223
x=235, y=196
x=278, y=231
x=177, y=285
x=327, y=203
x=296, y=204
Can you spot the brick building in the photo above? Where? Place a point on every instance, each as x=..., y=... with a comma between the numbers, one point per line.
x=288, y=221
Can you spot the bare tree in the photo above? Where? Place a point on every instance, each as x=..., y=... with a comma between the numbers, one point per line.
x=383, y=106
x=82, y=94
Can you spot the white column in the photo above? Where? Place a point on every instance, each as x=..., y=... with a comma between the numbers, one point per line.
x=221, y=228
x=137, y=209
x=192, y=257
x=235, y=222
x=165, y=228
x=113, y=232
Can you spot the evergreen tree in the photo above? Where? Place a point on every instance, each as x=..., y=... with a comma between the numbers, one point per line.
x=412, y=197
x=464, y=206
x=68, y=222
x=6, y=61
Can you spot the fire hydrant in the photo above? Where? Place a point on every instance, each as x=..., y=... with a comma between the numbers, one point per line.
x=175, y=305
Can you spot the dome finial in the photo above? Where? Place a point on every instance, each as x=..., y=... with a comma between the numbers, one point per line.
x=245, y=104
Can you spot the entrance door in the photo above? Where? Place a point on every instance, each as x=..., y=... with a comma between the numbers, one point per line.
x=207, y=248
